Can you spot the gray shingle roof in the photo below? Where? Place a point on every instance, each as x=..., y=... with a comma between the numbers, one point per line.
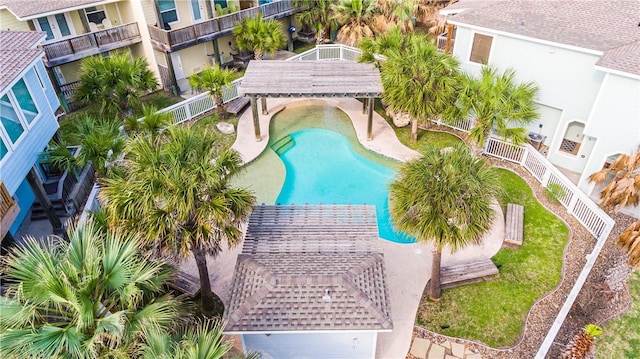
x=17, y=51
x=625, y=58
x=281, y=280
x=590, y=24
x=29, y=8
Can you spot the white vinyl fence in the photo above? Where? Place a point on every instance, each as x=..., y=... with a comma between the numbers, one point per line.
x=578, y=204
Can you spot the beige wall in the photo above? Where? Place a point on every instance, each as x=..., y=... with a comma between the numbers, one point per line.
x=148, y=10
x=70, y=71
x=112, y=14
x=195, y=58
x=9, y=22
x=76, y=21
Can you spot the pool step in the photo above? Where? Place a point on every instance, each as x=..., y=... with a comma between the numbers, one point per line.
x=283, y=144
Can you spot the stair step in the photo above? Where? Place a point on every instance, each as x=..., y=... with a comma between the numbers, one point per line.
x=283, y=144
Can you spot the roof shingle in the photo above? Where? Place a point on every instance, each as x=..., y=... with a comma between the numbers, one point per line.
x=337, y=282
x=18, y=49
x=29, y=8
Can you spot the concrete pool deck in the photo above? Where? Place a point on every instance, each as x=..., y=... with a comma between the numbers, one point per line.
x=408, y=266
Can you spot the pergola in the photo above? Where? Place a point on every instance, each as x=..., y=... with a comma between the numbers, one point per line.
x=278, y=78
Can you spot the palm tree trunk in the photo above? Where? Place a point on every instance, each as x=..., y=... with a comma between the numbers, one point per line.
x=257, y=54
x=206, y=295
x=414, y=130
x=220, y=107
x=434, y=287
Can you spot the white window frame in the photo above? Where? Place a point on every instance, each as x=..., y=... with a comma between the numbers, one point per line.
x=99, y=8
x=493, y=41
x=203, y=11
x=7, y=143
x=14, y=145
x=21, y=111
x=72, y=30
x=175, y=8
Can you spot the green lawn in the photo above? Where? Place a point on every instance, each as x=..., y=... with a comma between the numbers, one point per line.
x=209, y=123
x=494, y=312
x=621, y=337
x=158, y=99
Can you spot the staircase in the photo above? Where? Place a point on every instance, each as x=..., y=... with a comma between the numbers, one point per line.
x=283, y=144
x=38, y=212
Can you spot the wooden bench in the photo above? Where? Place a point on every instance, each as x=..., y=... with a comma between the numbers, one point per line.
x=514, y=225
x=237, y=105
x=466, y=273
x=185, y=283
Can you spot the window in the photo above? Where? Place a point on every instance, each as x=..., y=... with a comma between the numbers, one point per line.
x=3, y=149
x=195, y=6
x=40, y=79
x=168, y=11
x=10, y=120
x=25, y=101
x=481, y=48
x=95, y=14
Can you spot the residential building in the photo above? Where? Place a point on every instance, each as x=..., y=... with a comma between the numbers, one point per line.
x=177, y=37
x=583, y=55
x=27, y=122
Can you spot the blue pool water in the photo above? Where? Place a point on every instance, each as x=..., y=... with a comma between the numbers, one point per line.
x=323, y=168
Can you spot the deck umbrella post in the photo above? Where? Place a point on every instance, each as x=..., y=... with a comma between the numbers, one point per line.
x=263, y=102
x=256, y=119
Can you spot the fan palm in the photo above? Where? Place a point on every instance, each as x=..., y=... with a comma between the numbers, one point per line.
x=444, y=198
x=201, y=341
x=394, y=13
x=92, y=297
x=176, y=194
x=623, y=190
x=421, y=81
x=259, y=35
x=317, y=17
x=152, y=122
x=213, y=79
x=498, y=103
x=383, y=44
x=116, y=82
x=356, y=19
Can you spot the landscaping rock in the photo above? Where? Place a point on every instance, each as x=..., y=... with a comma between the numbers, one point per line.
x=401, y=119
x=419, y=347
x=225, y=128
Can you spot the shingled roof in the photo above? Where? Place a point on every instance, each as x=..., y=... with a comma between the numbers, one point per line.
x=306, y=268
x=18, y=49
x=24, y=9
x=589, y=24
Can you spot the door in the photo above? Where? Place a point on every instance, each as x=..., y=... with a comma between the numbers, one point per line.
x=56, y=26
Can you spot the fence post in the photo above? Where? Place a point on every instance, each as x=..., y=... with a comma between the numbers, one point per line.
x=572, y=204
x=341, y=52
x=187, y=111
x=525, y=155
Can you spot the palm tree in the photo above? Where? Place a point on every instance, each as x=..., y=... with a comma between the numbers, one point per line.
x=383, y=44
x=317, y=17
x=498, y=103
x=213, y=79
x=201, y=341
x=444, y=198
x=622, y=190
x=421, y=81
x=101, y=142
x=356, y=18
x=582, y=343
x=176, y=194
x=116, y=82
x=259, y=35
x=394, y=13
x=92, y=297
x=152, y=122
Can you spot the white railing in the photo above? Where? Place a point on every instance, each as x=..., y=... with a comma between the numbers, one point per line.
x=578, y=204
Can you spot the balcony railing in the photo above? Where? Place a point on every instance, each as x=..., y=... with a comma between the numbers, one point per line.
x=8, y=210
x=91, y=43
x=442, y=42
x=168, y=40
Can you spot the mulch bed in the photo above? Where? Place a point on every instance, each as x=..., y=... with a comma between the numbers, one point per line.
x=596, y=303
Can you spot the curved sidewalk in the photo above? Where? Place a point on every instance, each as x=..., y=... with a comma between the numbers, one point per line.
x=408, y=266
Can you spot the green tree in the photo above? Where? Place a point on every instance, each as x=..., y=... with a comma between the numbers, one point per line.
x=383, y=44
x=100, y=141
x=116, y=82
x=213, y=79
x=444, y=198
x=201, y=341
x=318, y=17
x=176, y=194
x=421, y=81
x=497, y=102
x=259, y=35
x=92, y=297
x=152, y=122
x=622, y=189
x=356, y=19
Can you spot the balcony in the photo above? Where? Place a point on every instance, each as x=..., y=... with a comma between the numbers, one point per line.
x=173, y=40
x=92, y=43
x=8, y=210
x=441, y=41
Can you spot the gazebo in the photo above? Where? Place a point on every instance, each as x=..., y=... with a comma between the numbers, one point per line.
x=279, y=78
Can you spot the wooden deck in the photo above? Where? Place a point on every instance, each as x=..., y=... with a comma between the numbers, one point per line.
x=514, y=225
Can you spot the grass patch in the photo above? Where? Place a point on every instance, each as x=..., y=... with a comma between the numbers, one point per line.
x=301, y=46
x=494, y=312
x=209, y=123
x=621, y=337
x=158, y=99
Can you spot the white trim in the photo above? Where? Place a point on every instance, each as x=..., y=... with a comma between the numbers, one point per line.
x=59, y=11
x=175, y=8
x=5, y=141
x=324, y=331
x=617, y=72
x=51, y=19
x=25, y=128
x=22, y=73
x=203, y=11
x=35, y=103
x=527, y=38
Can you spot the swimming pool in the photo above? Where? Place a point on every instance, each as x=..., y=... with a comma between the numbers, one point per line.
x=322, y=167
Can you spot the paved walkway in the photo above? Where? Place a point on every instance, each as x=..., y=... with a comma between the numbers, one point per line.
x=407, y=265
